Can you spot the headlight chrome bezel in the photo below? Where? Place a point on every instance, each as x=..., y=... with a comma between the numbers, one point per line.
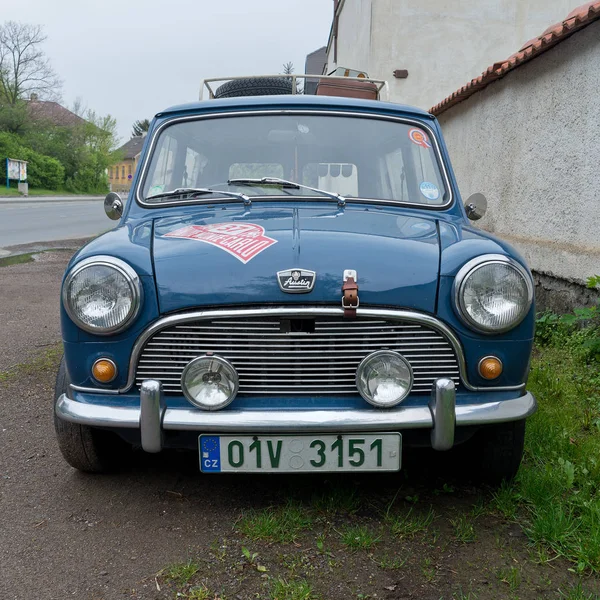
x=132, y=279
x=471, y=267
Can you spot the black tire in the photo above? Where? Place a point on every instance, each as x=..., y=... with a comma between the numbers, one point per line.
x=259, y=86
x=493, y=455
x=85, y=448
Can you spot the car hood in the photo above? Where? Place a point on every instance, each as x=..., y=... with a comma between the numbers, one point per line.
x=209, y=256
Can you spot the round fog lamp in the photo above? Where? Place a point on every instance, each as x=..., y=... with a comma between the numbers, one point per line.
x=209, y=382
x=384, y=378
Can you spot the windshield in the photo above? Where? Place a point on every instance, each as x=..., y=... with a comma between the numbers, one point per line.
x=355, y=157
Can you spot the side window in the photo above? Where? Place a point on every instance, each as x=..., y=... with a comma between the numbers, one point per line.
x=427, y=174
x=163, y=171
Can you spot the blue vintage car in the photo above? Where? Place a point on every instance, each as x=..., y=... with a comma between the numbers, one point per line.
x=294, y=285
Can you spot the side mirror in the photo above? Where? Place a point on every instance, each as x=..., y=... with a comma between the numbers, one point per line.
x=113, y=206
x=476, y=206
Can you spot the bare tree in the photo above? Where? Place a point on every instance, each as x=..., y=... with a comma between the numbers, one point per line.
x=288, y=68
x=24, y=68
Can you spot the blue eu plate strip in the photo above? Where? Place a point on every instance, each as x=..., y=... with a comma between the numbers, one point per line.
x=210, y=453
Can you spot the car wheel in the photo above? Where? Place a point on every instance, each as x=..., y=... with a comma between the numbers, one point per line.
x=85, y=448
x=257, y=86
x=494, y=453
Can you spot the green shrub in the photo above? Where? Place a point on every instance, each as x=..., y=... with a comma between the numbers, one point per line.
x=42, y=171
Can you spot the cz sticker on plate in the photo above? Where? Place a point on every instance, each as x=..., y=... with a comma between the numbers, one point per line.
x=300, y=453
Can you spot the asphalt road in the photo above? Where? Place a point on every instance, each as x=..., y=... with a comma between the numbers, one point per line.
x=28, y=221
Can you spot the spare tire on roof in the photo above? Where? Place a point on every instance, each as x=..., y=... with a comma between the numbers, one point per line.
x=255, y=86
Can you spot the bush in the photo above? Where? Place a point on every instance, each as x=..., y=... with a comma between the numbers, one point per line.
x=42, y=171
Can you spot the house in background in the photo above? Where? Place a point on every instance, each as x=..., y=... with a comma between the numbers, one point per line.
x=314, y=65
x=526, y=134
x=441, y=44
x=121, y=173
x=52, y=112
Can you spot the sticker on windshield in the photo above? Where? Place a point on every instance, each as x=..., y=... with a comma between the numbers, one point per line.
x=242, y=240
x=156, y=189
x=429, y=190
x=419, y=137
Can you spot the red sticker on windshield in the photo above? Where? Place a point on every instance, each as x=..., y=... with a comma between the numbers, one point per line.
x=242, y=240
x=419, y=137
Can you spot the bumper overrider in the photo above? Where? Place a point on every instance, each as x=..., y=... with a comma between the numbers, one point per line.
x=441, y=416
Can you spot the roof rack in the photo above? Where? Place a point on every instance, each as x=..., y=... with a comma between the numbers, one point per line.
x=382, y=85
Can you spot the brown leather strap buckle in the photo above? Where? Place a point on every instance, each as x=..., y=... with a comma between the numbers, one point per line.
x=350, y=301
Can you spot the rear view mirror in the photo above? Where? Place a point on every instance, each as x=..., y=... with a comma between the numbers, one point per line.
x=113, y=206
x=476, y=206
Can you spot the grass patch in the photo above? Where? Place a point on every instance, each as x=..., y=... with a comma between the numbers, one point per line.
x=339, y=499
x=281, y=589
x=578, y=593
x=18, y=259
x=359, y=537
x=511, y=576
x=13, y=192
x=556, y=495
x=411, y=523
x=199, y=593
x=463, y=529
x=281, y=524
x=180, y=573
x=47, y=360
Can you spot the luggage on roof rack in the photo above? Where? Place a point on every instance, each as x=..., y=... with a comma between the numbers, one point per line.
x=348, y=86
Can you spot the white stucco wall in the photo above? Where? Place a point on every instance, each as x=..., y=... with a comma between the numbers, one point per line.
x=531, y=143
x=442, y=43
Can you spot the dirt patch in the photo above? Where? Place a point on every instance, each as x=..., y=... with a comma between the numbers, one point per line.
x=29, y=306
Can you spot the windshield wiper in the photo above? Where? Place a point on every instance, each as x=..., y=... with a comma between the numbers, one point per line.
x=200, y=192
x=284, y=183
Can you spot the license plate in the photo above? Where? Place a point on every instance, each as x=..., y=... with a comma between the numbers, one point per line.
x=300, y=453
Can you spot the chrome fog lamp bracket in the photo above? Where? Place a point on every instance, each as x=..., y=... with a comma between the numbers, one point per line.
x=210, y=382
x=384, y=378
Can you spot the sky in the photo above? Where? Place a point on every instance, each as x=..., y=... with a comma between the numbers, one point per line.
x=134, y=58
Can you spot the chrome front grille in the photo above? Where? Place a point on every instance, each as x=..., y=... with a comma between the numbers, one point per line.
x=289, y=356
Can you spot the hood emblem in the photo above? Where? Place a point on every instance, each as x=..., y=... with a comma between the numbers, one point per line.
x=296, y=281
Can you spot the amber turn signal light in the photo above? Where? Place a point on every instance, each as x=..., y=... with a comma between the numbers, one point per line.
x=104, y=370
x=490, y=367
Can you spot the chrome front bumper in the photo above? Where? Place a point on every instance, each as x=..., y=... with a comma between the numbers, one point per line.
x=152, y=417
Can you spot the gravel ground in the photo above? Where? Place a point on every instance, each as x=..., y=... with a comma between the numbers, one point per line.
x=68, y=535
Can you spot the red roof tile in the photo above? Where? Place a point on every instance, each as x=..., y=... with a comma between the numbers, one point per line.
x=577, y=19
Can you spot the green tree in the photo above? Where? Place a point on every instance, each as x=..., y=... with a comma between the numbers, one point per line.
x=140, y=127
x=96, y=141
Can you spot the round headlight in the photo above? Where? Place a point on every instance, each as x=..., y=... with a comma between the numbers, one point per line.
x=384, y=378
x=493, y=293
x=102, y=295
x=209, y=382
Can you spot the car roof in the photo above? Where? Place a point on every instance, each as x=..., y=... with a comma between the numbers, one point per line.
x=295, y=100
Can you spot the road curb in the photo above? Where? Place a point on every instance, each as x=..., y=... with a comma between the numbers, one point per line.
x=42, y=199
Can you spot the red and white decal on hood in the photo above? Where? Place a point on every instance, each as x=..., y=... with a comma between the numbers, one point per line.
x=242, y=240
